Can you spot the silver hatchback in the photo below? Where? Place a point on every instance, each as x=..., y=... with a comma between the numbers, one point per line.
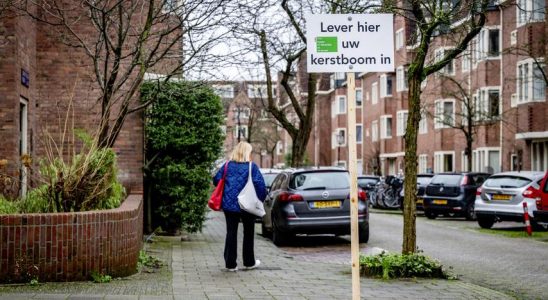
x=501, y=197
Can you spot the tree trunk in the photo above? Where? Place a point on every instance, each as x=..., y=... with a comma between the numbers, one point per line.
x=410, y=183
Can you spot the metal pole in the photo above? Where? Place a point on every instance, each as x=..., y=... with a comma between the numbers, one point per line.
x=239, y=125
x=352, y=169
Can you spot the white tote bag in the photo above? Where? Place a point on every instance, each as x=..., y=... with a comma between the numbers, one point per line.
x=248, y=199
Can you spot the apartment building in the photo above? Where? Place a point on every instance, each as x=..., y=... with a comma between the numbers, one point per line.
x=496, y=85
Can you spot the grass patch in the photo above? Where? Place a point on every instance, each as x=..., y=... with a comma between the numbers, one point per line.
x=100, y=278
x=397, y=265
x=517, y=232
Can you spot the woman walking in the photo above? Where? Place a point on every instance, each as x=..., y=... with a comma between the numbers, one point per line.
x=237, y=175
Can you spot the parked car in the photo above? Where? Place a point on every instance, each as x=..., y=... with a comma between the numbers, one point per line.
x=368, y=183
x=541, y=214
x=501, y=197
x=312, y=201
x=452, y=194
x=269, y=175
x=422, y=181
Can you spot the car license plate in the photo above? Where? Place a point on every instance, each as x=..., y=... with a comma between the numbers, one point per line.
x=326, y=204
x=439, y=202
x=501, y=197
x=420, y=200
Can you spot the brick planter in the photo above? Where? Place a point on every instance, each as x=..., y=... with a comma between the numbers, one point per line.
x=70, y=246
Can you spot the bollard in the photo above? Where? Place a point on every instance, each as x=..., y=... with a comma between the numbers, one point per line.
x=526, y=217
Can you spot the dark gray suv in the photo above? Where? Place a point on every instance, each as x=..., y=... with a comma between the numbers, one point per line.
x=312, y=201
x=452, y=194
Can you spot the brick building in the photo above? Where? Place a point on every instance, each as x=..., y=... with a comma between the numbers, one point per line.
x=497, y=75
x=44, y=83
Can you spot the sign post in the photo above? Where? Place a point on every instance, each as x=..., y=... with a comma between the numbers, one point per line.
x=351, y=43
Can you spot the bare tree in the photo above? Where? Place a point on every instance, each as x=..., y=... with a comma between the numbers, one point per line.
x=130, y=41
x=434, y=20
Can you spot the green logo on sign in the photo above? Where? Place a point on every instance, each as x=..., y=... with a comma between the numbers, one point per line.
x=326, y=44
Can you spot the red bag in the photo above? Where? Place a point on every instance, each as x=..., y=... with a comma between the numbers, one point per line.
x=217, y=195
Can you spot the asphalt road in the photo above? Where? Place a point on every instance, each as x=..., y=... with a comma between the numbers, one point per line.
x=515, y=266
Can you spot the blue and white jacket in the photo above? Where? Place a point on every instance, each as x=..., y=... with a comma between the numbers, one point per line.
x=235, y=180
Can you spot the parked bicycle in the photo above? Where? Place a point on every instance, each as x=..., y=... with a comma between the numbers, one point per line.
x=387, y=192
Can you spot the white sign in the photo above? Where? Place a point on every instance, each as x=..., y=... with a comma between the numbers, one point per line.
x=350, y=43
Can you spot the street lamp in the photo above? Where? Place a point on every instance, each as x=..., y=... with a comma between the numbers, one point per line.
x=340, y=142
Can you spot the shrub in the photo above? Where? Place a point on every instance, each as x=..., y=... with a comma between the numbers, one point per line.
x=183, y=139
x=396, y=265
x=36, y=201
x=7, y=206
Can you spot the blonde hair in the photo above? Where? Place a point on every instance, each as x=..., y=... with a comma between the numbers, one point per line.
x=242, y=152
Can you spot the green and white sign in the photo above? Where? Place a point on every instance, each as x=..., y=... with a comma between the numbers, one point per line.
x=350, y=43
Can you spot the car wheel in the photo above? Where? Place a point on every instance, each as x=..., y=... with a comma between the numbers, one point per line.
x=470, y=213
x=279, y=238
x=363, y=233
x=430, y=215
x=485, y=221
x=264, y=232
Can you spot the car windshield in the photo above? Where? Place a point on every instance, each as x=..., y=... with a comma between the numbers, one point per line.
x=366, y=181
x=507, y=182
x=319, y=181
x=424, y=180
x=268, y=178
x=446, y=179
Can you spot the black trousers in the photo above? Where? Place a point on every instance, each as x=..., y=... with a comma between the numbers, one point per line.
x=231, y=241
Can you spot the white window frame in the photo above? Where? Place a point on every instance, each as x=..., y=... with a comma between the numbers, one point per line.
x=423, y=163
x=439, y=111
x=384, y=85
x=439, y=161
x=245, y=132
x=384, y=128
x=466, y=60
x=438, y=56
x=423, y=123
x=360, y=103
x=480, y=158
x=359, y=139
x=224, y=90
x=401, y=122
x=527, y=11
x=259, y=91
x=279, y=148
x=375, y=131
x=401, y=79
x=399, y=39
x=483, y=44
x=463, y=161
x=529, y=81
x=481, y=104
x=341, y=100
x=536, y=163
x=335, y=140
x=375, y=93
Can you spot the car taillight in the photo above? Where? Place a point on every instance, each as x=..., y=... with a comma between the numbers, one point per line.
x=531, y=192
x=478, y=191
x=464, y=181
x=539, y=203
x=362, y=195
x=288, y=197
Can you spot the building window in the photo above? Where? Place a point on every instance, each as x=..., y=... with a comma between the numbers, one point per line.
x=423, y=163
x=531, y=85
x=257, y=91
x=488, y=43
x=375, y=131
x=423, y=123
x=539, y=156
x=242, y=129
x=386, y=85
x=341, y=105
x=339, y=138
x=466, y=59
x=359, y=97
x=386, y=127
x=359, y=133
x=449, y=69
x=224, y=91
x=375, y=93
x=399, y=39
x=487, y=105
x=401, y=79
x=486, y=160
x=245, y=113
x=401, y=122
x=279, y=148
x=463, y=161
x=529, y=11
x=444, y=161
x=444, y=114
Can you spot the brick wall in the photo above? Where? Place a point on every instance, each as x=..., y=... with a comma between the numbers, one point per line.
x=70, y=246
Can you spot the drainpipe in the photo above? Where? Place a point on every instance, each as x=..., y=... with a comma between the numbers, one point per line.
x=500, y=91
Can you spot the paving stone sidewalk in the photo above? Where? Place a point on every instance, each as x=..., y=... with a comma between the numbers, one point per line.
x=196, y=269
